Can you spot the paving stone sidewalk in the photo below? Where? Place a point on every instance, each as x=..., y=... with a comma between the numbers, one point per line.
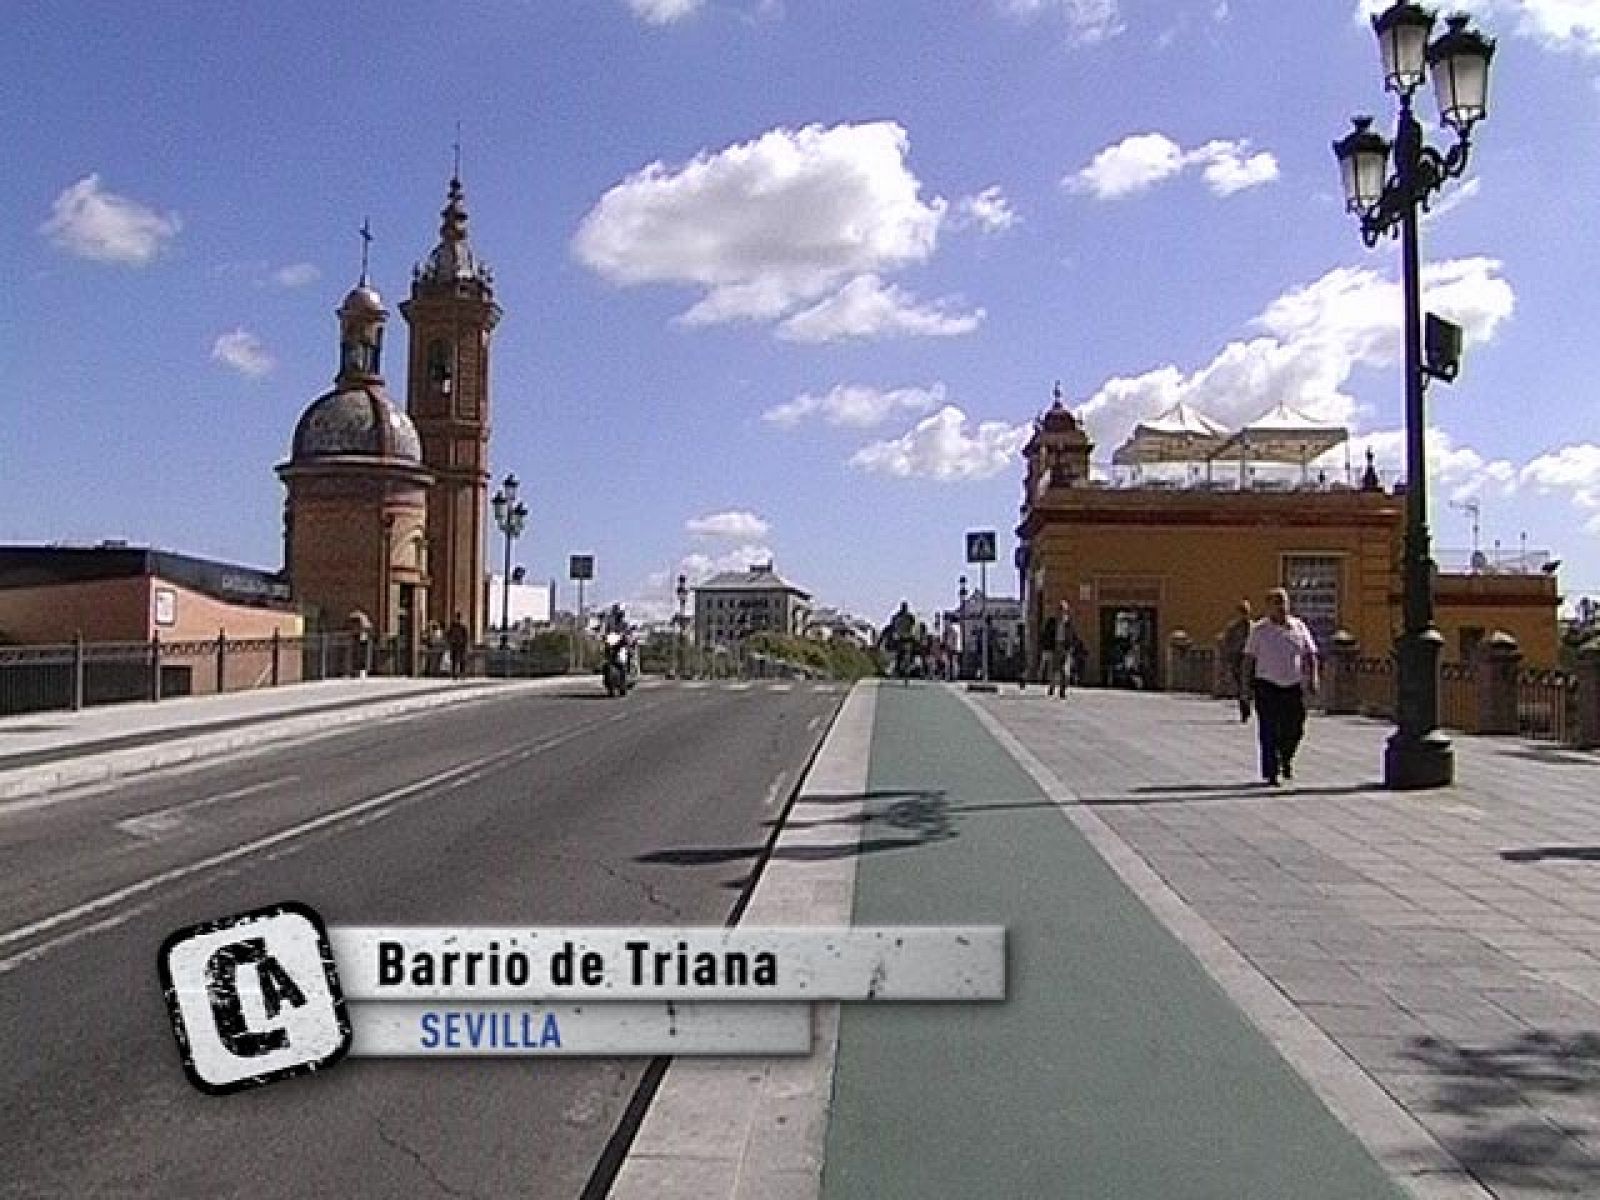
x=1447, y=941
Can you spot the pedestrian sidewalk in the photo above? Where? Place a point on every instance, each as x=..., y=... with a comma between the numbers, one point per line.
x=1215, y=990
x=47, y=751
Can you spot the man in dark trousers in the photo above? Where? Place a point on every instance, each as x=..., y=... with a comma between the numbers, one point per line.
x=1280, y=661
x=458, y=638
x=1233, y=640
x=1062, y=639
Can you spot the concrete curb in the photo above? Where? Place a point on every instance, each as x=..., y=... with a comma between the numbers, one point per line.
x=116, y=764
x=756, y=1128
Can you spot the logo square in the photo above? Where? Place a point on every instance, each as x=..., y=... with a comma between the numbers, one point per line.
x=254, y=998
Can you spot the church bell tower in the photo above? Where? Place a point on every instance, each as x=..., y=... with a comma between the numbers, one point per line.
x=452, y=315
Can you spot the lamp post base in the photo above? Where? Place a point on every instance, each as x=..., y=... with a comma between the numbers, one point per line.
x=1412, y=762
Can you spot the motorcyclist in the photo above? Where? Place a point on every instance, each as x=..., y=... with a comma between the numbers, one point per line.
x=900, y=637
x=619, y=641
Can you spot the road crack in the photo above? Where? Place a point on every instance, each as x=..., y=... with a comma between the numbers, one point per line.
x=423, y=1165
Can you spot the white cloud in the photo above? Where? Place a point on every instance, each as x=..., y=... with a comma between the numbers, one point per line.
x=855, y=405
x=1088, y=22
x=1554, y=24
x=1457, y=472
x=1315, y=336
x=296, y=275
x=1574, y=470
x=745, y=526
x=941, y=447
x=243, y=352
x=657, y=600
x=866, y=307
x=768, y=225
x=663, y=12
x=1142, y=160
x=1230, y=167
x=989, y=210
x=96, y=224
x=1132, y=165
x=1455, y=198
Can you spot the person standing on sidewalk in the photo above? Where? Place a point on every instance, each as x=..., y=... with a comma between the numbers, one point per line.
x=458, y=638
x=1233, y=640
x=1280, y=661
x=1062, y=642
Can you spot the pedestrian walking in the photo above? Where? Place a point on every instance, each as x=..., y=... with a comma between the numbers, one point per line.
x=458, y=638
x=1233, y=640
x=1280, y=661
x=1063, y=642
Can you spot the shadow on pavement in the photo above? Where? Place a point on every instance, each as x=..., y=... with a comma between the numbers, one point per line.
x=925, y=815
x=1500, y=1139
x=1540, y=853
x=1178, y=793
x=1546, y=752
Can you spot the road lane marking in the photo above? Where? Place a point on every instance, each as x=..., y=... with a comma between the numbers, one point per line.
x=813, y=724
x=370, y=810
x=164, y=820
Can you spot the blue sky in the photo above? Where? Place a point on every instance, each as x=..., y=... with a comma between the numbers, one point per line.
x=779, y=277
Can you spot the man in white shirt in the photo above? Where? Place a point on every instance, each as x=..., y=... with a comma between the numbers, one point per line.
x=1280, y=663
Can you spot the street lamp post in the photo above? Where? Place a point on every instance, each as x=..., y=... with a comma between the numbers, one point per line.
x=511, y=515
x=683, y=601
x=1418, y=754
x=961, y=627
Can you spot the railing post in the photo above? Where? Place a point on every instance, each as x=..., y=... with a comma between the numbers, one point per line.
x=222, y=661
x=1342, y=684
x=1178, y=661
x=1498, y=668
x=1587, y=735
x=277, y=651
x=155, y=665
x=77, y=671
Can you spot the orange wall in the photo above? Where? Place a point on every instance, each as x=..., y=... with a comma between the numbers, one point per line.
x=115, y=610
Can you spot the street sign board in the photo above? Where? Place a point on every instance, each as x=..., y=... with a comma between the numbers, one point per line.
x=980, y=546
x=581, y=566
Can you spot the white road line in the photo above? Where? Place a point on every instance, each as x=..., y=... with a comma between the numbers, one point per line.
x=811, y=725
x=781, y=687
x=774, y=791
x=165, y=820
x=741, y=687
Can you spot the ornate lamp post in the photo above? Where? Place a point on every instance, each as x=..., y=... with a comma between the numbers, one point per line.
x=1418, y=754
x=683, y=620
x=511, y=516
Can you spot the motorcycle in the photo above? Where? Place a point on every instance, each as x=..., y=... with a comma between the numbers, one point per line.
x=616, y=670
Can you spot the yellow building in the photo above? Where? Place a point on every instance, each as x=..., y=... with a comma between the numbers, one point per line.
x=1139, y=560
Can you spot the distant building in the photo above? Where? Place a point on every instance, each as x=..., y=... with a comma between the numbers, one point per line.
x=735, y=604
x=1002, y=618
x=117, y=593
x=530, y=603
x=831, y=623
x=1140, y=557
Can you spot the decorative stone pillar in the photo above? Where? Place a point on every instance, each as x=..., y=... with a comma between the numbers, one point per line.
x=1178, y=662
x=1499, y=665
x=1341, y=677
x=1588, y=698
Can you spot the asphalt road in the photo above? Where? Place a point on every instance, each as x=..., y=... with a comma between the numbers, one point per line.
x=535, y=810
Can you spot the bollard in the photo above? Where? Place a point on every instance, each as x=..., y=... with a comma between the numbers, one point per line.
x=155, y=665
x=1499, y=665
x=1178, y=661
x=222, y=661
x=277, y=650
x=77, y=671
x=1342, y=682
x=1588, y=698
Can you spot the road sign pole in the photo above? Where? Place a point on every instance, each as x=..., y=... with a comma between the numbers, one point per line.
x=983, y=584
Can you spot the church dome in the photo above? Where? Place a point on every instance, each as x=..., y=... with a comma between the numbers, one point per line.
x=363, y=299
x=1059, y=419
x=356, y=420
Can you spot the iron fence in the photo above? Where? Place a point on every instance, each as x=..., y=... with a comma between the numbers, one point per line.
x=1458, y=696
x=1547, y=708
x=1375, y=687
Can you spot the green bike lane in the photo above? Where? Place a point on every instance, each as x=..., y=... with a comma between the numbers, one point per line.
x=1114, y=1068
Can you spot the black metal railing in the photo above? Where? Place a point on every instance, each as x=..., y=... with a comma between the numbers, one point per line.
x=1547, y=707
x=1458, y=696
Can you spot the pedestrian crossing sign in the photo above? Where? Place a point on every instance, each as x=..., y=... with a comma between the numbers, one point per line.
x=980, y=546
